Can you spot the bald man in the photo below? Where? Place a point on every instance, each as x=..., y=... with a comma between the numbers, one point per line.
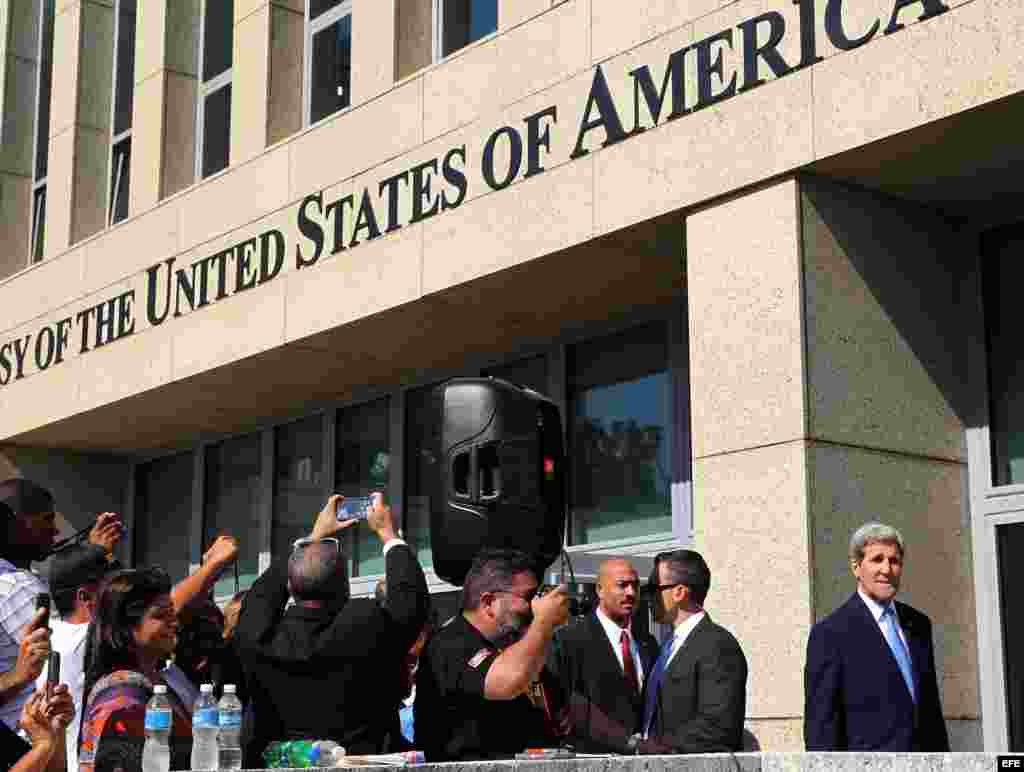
x=601, y=662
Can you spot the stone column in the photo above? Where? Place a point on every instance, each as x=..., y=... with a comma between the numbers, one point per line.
x=266, y=80
x=750, y=452
x=886, y=386
x=164, y=108
x=19, y=69
x=827, y=359
x=77, y=180
x=373, y=48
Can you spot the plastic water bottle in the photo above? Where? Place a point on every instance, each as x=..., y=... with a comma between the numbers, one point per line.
x=205, y=726
x=156, y=752
x=229, y=740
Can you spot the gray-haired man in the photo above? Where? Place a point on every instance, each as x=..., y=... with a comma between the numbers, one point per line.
x=870, y=680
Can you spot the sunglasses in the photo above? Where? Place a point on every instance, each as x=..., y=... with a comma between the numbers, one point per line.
x=304, y=542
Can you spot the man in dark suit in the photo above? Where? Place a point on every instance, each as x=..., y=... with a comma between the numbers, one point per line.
x=601, y=664
x=696, y=696
x=315, y=671
x=870, y=681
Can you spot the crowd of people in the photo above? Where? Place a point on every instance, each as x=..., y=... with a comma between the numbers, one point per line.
x=510, y=671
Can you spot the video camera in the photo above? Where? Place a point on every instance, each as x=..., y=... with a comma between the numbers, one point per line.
x=500, y=480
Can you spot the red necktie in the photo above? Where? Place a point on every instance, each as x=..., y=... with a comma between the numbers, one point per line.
x=628, y=666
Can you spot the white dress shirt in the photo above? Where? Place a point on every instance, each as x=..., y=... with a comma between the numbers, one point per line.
x=614, y=633
x=682, y=632
x=877, y=609
x=18, y=590
x=69, y=641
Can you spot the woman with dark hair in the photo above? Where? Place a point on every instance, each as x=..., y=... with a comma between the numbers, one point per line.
x=133, y=632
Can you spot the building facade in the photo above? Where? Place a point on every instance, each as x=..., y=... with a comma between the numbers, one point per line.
x=759, y=251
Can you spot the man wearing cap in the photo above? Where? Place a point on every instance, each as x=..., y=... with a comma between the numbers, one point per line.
x=75, y=576
x=28, y=525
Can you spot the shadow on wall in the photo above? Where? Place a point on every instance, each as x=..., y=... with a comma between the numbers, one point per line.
x=912, y=265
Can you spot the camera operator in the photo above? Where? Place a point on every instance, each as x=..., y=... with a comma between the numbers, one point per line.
x=29, y=529
x=478, y=694
x=315, y=670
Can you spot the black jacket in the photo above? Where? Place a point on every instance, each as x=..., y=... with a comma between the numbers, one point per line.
x=703, y=696
x=855, y=696
x=604, y=711
x=320, y=674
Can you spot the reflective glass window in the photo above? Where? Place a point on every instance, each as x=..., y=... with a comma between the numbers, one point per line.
x=362, y=467
x=332, y=69
x=233, y=489
x=299, y=485
x=620, y=475
x=163, y=514
x=466, y=21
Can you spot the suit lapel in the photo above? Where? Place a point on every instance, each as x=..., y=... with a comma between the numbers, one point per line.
x=604, y=646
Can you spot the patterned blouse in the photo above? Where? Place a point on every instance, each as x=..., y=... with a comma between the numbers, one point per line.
x=113, y=725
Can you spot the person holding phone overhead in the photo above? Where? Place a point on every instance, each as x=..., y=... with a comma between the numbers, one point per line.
x=28, y=529
x=315, y=670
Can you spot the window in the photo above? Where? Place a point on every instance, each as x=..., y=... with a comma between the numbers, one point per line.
x=213, y=115
x=362, y=467
x=299, y=484
x=328, y=58
x=232, y=505
x=1003, y=268
x=461, y=22
x=620, y=420
x=41, y=152
x=121, y=107
x=163, y=514
x=419, y=467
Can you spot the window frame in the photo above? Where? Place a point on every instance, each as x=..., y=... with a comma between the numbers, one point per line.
x=119, y=155
x=437, y=33
x=311, y=27
x=204, y=90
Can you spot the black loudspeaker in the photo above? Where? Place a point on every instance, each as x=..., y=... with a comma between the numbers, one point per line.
x=501, y=481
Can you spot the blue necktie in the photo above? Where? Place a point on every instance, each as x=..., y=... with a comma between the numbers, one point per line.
x=654, y=683
x=899, y=649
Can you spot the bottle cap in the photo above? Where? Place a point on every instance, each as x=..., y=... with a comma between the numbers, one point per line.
x=229, y=688
x=206, y=689
x=159, y=689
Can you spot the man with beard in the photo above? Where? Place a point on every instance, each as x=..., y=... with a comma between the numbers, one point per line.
x=477, y=694
x=602, y=662
x=28, y=528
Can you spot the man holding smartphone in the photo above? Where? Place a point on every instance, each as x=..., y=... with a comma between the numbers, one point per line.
x=28, y=529
x=316, y=669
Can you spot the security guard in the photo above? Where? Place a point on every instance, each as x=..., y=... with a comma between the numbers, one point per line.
x=480, y=690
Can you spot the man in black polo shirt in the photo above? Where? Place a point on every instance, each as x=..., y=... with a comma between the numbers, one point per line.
x=477, y=694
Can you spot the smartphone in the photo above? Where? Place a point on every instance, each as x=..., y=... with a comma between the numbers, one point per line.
x=53, y=670
x=43, y=602
x=354, y=508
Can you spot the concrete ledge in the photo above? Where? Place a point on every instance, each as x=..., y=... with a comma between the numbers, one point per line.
x=747, y=762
